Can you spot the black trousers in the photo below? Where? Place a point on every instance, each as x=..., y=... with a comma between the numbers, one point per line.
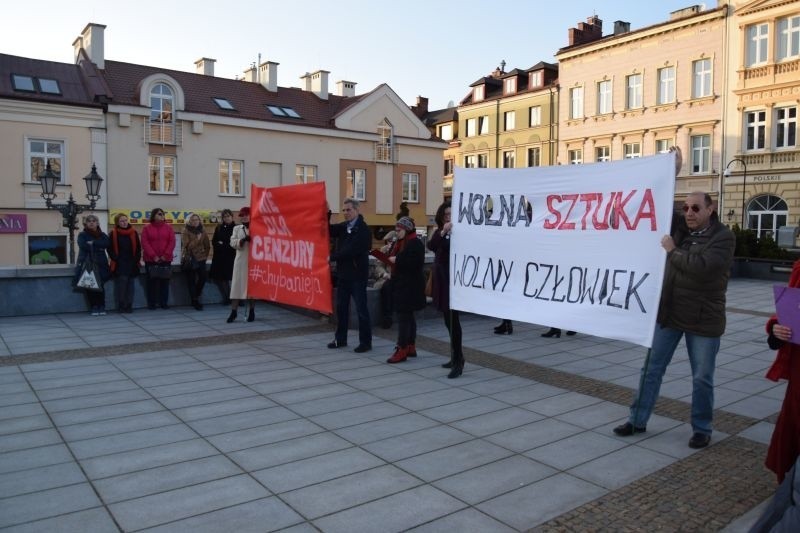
x=453, y=323
x=195, y=281
x=406, y=328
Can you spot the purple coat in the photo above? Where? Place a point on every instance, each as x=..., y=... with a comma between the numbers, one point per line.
x=440, y=287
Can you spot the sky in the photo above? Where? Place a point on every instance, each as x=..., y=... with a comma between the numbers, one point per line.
x=430, y=48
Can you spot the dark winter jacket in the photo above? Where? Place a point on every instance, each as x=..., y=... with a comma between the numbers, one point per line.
x=440, y=286
x=222, y=260
x=125, y=259
x=695, y=281
x=408, y=278
x=352, y=250
x=89, y=245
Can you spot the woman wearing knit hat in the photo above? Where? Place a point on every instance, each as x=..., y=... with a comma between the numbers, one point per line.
x=408, y=279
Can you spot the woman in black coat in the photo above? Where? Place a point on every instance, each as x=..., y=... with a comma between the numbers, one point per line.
x=125, y=252
x=408, y=280
x=222, y=260
x=93, y=243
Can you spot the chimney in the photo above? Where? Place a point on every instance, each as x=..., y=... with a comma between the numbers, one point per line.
x=586, y=32
x=250, y=74
x=346, y=88
x=77, y=44
x=620, y=27
x=268, y=75
x=421, y=109
x=93, y=42
x=205, y=66
x=317, y=82
x=685, y=12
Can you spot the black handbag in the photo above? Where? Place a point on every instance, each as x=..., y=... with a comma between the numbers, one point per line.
x=160, y=271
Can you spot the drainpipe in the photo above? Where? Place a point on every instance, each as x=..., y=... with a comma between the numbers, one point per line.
x=497, y=134
x=725, y=85
x=552, y=126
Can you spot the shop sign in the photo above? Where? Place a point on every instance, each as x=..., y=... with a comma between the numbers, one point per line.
x=10, y=223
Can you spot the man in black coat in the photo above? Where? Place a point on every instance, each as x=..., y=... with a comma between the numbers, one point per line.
x=353, y=243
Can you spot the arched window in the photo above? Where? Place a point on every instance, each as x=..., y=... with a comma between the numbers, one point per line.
x=765, y=214
x=162, y=118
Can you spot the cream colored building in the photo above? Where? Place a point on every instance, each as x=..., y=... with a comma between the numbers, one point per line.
x=636, y=93
x=761, y=152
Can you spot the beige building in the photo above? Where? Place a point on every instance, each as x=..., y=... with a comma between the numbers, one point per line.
x=761, y=152
x=637, y=93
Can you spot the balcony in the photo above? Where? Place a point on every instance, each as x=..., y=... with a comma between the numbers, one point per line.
x=385, y=153
x=160, y=132
x=763, y=75
x=771, y=161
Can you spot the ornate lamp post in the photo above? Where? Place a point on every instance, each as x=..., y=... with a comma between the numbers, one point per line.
x=727, y=174
x=70, y=210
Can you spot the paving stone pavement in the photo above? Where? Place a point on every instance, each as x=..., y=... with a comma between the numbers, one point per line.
x=175, y=421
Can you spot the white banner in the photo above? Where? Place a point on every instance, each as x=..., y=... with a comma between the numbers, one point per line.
x=575, y=247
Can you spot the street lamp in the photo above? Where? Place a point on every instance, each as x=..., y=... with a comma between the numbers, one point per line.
x=70, y=210
x=727, y=174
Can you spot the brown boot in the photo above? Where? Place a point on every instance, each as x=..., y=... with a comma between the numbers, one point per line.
x=400, y=354
x=412, y=350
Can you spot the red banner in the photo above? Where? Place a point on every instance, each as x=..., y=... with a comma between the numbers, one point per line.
x=289, y=249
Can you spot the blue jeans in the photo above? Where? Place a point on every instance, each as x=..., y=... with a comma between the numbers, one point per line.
x=702, y=357
x=357, y=289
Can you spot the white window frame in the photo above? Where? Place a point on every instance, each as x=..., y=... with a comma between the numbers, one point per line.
x=509, y=158
x=471, y=161
x=632, y=150
x=785, y=127
x=701, y=153
x=755, y=129
x=666, y=86
x=510, y=85
x=701, y=78
x=57, y=236
x=161, y=122
x=537, y=78
x=227, y=180
x=509, y=120
x=478, y=93
x=602, y=154
x=483, y=125
x=305, y=173
x=663, y=145
x=534, y=156
x=576, y=102
x=161, y=166
x=446, y=132
x=356, y=182
x=30, y=154
x=604, y=97
x=757, y=44
x=535, y=116
x=633, y=91
x=788, y=29
x=483, y=160
x=409, y=178
x=471, y=127
x=575, y=157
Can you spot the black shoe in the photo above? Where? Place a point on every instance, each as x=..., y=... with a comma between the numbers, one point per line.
x=627, y=429
x=336, y=344
x=456, y=371
x=232, y=316
x=386, y=323
x=151, y=307
x=361, y=348
x=699, y=440
x=197, y=305
x=552, y=332
x=251, y=315
x=164, y=306
x=570, y=333
x=505, y=328
x=448, y=364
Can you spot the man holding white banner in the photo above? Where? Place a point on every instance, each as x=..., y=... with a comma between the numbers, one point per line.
x=692, y=306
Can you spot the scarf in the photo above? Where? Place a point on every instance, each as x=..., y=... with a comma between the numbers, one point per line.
x=128, y=232
x=94, y=233
x=195, y=229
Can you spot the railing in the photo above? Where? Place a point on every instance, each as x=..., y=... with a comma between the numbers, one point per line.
x=779, y=160
x=385, y=153
x=158, y=132
x=775, y=69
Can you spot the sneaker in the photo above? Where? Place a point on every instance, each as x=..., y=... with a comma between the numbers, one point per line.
x=101, y=312
x=627, y=429
x=95, y=312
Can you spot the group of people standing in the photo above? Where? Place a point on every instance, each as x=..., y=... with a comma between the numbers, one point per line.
x=121, y=253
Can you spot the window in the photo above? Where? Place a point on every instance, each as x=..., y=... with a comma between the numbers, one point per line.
x=49, y=86
x=470, y=161
x=767, y=213
x=477, y=93
x=701, y=78
x=788, y=37
x=471, y=127
x=534, y=157
x=666, y=85
x=30, y=84
x=785, y=127
x=576, y=102
x=306, y=173
x=230, y=177
x=575, y=157
x=701, y=154
x=161, y=125
x=509, y=118
x=223, y=103
x=47, y=249
x=536, y=116
x=280, y=111
x=446, y=132
x=40, y=153
x=634, y=91
x=508, y=159
x=509, y=85
x=663, y=145
x=356, y=183
x=632, y=150
x=602, y=154
x=757, y=41
x=410, y=187
x=483, y=161
x=537, y=79
x=448, y=167
x=23, y=83
x=604, y=97
x=755, y=129
x=483, y=125
x=162, y=174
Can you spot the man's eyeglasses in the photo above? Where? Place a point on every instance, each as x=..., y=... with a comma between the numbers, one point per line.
x=695, y=208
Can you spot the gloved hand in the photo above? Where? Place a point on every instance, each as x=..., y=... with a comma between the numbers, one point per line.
x=246, y=239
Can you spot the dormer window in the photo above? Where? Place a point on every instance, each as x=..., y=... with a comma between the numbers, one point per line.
x=509, y=85
x=478, y=93
x=161, y=125
x=23, y=83
x=537, y=78
x=49, y=86
x=223, y=103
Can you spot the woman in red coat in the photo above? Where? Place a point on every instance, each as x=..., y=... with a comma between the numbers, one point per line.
x=785, y=444
x=158, y=243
